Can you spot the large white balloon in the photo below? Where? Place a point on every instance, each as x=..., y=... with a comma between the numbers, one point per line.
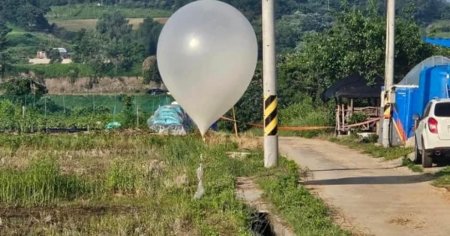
x=207, y=55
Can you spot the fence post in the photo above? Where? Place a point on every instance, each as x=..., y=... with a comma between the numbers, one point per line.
x=45, y=113
x=137, y=116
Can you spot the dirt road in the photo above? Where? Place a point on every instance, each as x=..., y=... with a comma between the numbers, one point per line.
x=370, y=196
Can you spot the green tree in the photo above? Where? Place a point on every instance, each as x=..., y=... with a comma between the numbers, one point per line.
x=25, y=13
x=111, y=48
x=292, y=28
x=4, y=30
x=150, y=70
x=117, y=43
x=148, y=34
x=54, y=56
x=7, y=114
x=23, y=89
x=354, y=45
x=113, y=26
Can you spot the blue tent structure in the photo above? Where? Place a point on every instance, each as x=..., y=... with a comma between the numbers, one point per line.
x=427, y=80
x=438, y=42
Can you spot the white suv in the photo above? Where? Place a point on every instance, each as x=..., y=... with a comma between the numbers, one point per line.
x=433, y=132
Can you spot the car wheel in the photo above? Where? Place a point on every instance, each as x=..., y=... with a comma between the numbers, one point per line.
x=417, y=156
x=426, y=159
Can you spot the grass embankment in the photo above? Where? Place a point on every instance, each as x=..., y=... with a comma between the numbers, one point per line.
x=442, y=178
x=306, y=213
x=369, y=147
x=134, y=183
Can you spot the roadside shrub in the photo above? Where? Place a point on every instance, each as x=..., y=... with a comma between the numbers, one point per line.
x=306, y=113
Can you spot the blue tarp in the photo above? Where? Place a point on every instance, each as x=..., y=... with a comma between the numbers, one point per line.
x=170, y=119
x=438, y=42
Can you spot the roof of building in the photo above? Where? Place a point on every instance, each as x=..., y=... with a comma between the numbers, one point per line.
x=413, y=76
x=354, y=86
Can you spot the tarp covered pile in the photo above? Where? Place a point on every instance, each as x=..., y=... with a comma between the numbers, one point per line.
x=169, y=119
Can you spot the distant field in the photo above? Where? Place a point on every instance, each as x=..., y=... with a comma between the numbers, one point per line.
x=92, y=11
x=78, y=24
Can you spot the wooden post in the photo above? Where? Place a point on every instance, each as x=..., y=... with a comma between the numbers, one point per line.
x=343, y=116
x=351, y=107
x=137, y=116
x=235, y=123
x=338, y=122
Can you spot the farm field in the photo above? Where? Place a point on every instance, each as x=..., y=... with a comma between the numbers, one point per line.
x=146, y=103
x=92, y=11
x=78, y=24
x=85, y=16
x=136, y=183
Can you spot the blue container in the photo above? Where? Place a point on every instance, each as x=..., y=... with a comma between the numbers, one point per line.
x=434, y=83
x=403, y=110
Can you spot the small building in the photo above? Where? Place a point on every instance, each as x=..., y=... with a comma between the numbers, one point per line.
x=42, y=58
x=62, y=52
x=355, y=97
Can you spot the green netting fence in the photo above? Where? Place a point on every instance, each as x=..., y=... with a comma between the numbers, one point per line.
x=77, y=112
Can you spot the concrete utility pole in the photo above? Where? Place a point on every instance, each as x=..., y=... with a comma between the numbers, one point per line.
x=389, y=70
x=270, y=86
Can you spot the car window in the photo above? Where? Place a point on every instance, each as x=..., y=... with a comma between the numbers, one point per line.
x=442, y=109
x=427, y=110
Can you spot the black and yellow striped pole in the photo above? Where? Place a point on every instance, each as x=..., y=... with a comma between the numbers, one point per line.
x=270, y=92
x=270, y=116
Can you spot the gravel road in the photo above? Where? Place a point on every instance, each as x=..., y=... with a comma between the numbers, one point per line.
x=370, y=196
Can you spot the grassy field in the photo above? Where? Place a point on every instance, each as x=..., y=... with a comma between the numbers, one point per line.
x=92, y=11
x=132, y=183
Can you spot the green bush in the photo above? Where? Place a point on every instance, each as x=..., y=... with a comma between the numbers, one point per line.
x=357, y=117
x=306, y=113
